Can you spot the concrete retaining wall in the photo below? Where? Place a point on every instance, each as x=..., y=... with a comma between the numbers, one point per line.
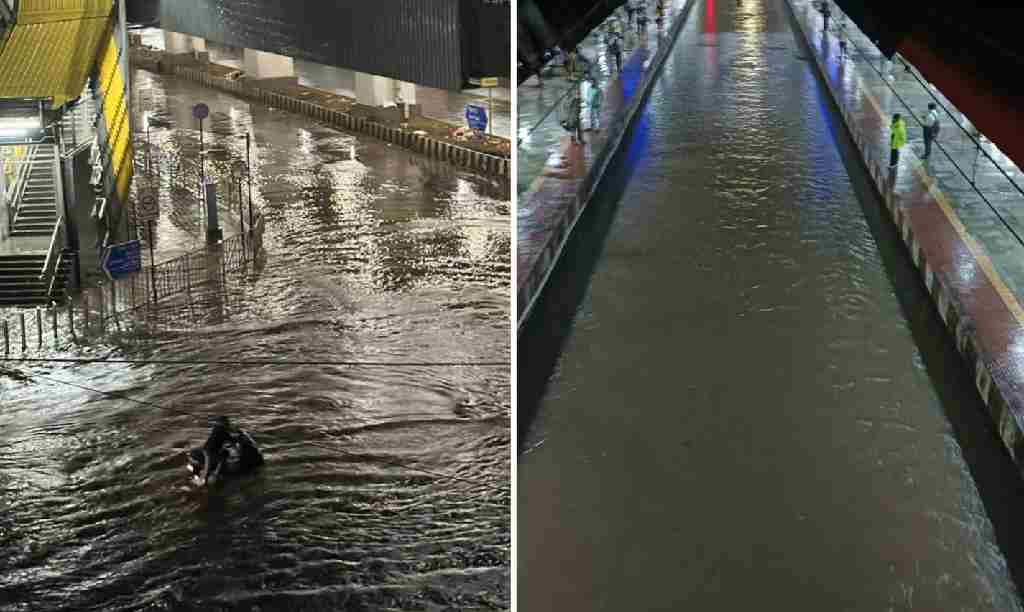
x=616, y=127
x=946, y=301
x=483, y=163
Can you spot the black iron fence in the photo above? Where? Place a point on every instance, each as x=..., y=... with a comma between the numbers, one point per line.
x=120, y=304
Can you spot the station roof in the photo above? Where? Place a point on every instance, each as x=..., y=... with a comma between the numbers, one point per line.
x=52, y=48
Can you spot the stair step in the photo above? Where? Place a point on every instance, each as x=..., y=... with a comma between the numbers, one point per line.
x=40, y=229
x=35, y=264
x=38, y=291
x=20, y=266
x=22, y=257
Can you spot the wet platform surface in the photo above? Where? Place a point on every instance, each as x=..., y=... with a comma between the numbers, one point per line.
x=551, y=203
x=747, y=394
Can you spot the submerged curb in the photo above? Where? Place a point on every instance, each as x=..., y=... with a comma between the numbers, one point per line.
x=532, y=285
x=483, y=163
x=948, y=301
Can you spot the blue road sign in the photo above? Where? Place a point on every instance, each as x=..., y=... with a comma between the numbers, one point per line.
x=120, y=260
x=476, y=117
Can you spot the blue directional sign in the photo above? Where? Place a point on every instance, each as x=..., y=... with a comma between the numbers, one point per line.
x=120, y=260
x=476, y=117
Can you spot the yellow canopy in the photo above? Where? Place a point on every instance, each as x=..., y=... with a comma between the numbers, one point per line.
x=52, y=48
x=46, y=11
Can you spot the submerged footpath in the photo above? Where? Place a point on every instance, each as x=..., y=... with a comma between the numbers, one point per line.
x=489, y=155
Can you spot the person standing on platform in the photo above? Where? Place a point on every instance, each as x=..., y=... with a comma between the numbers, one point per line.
x=641, y=20
x=615, y=48
x=596, y=98
x=826, y=12
x=897, y=138
x=931, y=128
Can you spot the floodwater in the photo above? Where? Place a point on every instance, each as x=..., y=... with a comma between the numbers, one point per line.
x=384, y=487
x=737, y=394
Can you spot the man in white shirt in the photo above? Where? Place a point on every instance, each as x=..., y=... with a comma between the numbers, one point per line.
x=931, y=128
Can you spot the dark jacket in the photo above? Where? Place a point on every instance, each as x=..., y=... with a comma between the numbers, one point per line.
x=218, y=437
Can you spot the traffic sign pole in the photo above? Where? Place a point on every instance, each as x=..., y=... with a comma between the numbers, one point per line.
x=152, y=263
x=490, y=110
x=248, y=173
x=201, y=111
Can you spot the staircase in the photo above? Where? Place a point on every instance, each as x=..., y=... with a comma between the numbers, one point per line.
x=20, y=283
x=37, y=210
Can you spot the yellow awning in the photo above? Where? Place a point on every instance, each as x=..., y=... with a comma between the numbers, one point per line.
x=45, y=11
x=51, y=59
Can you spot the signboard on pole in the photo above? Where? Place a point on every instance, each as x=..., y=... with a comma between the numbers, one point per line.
x=200, y=111
x=489, y=82
x=120, y=260
x=476, y=117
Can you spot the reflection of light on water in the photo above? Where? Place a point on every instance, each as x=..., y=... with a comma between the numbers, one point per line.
x=306, y=142
x=478, y=241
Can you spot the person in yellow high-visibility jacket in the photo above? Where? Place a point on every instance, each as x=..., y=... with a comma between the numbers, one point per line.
x=897, y=138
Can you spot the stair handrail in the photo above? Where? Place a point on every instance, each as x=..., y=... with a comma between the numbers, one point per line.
x=20, y=183
x=53, y=277
x=78, y=113
x=55, y=239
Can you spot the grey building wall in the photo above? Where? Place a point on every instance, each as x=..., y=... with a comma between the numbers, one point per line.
x=486, y=38
x=419, y=41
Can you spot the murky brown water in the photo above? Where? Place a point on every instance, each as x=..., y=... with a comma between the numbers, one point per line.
x=755, y=405
x=389, y=258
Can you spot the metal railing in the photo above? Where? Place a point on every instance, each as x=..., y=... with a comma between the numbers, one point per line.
x=187, y=272
x=869, y=59
x=17, y=189
x=77, y=125
x=120, y=304
x=57, y=239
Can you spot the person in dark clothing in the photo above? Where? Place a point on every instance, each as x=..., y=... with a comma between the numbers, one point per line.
x=616, y=50
x=214, y=446
x=826, y=12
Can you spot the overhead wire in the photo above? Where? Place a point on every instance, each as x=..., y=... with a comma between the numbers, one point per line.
x=264, y=362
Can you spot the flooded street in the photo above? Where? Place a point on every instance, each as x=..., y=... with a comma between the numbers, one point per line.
x=385, y=487
x=738, y=394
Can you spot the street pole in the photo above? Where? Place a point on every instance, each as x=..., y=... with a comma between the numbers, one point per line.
x=152, y=263
x=248, y=174
x=202, y=156
x=241, y=218
x=490, y=110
